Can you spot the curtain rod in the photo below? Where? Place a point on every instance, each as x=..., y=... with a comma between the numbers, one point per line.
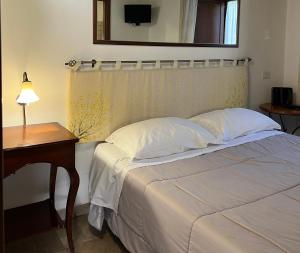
x=93, y=62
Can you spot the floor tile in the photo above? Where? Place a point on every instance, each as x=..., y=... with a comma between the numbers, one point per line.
x=48, y=242
x=106, y=245
x=55, y=241
x=81, y=232
x=26, y=245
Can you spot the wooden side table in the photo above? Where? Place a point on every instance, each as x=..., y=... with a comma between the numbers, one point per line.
x=42, y=143
x=281, y=111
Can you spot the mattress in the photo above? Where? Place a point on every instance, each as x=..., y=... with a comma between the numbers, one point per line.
x=243, y=198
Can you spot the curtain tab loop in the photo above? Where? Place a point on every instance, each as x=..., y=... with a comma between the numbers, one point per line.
x=157, y=64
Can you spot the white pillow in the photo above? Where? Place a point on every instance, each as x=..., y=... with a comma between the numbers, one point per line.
x=228, y=124
x=160, y=137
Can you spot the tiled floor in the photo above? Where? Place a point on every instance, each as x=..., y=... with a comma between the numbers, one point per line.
x=55, y=241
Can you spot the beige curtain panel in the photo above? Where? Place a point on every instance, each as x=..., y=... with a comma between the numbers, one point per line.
x=103, y=101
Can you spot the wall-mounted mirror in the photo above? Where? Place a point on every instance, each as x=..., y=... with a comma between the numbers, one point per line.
x=212, y=23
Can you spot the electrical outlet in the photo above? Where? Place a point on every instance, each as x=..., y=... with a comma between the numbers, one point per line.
x=266, y=75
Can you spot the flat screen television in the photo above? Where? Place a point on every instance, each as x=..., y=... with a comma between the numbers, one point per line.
x=137, y=13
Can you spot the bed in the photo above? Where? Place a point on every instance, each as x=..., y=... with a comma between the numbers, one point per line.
x=240, y=196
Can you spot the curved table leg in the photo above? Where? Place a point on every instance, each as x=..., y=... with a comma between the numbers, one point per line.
x=53, y=173
x=297, y=128
x=282, y=123
x=74, y=184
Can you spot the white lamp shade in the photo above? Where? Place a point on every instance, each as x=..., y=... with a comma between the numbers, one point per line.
x=27, y=94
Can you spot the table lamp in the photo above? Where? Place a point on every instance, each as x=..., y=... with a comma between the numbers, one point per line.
x=27, y=96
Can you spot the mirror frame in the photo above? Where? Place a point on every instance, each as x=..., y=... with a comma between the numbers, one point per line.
x=107, y=40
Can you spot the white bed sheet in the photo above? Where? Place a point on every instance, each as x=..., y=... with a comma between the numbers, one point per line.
x=110, y=166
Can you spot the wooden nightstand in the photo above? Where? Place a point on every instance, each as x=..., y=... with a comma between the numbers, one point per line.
x=42, y=143
x=281, y=111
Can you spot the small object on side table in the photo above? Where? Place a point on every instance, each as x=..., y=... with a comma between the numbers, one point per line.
x=292, y=110
x=42, y=143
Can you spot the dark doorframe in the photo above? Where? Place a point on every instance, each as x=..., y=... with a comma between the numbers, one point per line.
x=1, y=160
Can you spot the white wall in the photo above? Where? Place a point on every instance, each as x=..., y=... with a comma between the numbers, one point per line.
x=166, y=20
x=124, y=31
x=40, y=35
x=163, y=28
x=292, y=47
x=292, y=55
